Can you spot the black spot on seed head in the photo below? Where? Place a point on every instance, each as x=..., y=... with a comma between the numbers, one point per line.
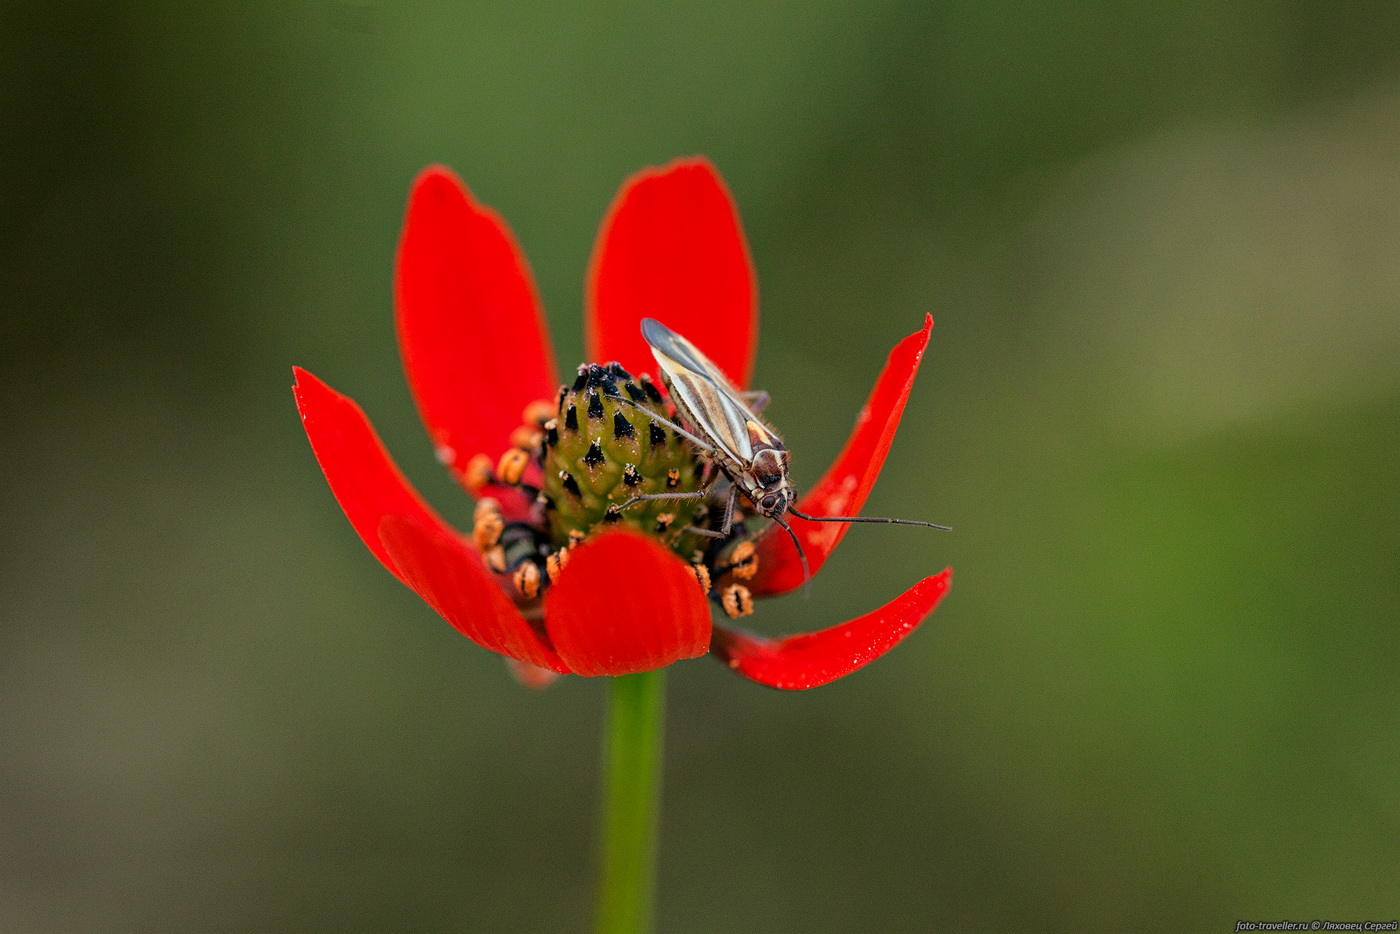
x=622, y=428
x=616, y=371
x=634, y=391
x=652, y=392
x=613, y=514
x=594, y=457
x=582, y=379
x=630, y=476
x=570, y=484
x=657, y=434
x=571, y=418
x=595, y=405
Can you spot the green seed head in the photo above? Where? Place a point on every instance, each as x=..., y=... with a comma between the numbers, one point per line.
x=600, y=452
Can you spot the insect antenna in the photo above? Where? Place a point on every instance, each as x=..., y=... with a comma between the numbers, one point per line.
x=875, y=519
x=801, y=555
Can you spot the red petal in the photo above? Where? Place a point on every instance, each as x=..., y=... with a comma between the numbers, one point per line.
x=625, y=605
x=449, y=575
x=847, y=483
x=816, y=658
x=471, y=331
x=366, y=482
x=531, y=676
x=421, y=550
x=671, y=248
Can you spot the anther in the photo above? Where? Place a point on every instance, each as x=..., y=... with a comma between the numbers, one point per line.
x=576, y=537
x=477, y=473
x=527, y=580
x=673, y=478
x=555, y=563
x=630, y=476
x=663, y=522
x=485, y=506
x=594, y=457
x=570, y=484
x=622, y=428
x=537, y=412
x=650, y=388
x=702, y=576
x=595, y=405
x=743, y=561
x=512, y=465
x=526, y=436
x=571, y=418
x=736, y=601
x=487, y=529
x=657, y=434
x=496, y=559
x=551, y=432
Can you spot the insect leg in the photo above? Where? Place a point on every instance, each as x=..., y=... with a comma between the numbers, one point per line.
x=756, y=399
x=728, y=518
x=729, y=509
x=706, y=533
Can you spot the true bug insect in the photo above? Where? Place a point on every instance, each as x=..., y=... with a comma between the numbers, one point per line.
x=723, y=424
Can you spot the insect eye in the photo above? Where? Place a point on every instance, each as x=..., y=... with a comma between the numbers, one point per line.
x=768, y=502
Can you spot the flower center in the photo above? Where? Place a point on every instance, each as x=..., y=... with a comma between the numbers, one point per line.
x=604, y=450
x=603, y=455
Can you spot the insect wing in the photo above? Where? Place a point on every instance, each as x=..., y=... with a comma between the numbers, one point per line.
x=701, y=391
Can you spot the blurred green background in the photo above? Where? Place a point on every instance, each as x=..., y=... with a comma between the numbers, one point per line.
x=1160, y=410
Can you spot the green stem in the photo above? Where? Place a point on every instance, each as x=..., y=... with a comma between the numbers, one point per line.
x=635, y=724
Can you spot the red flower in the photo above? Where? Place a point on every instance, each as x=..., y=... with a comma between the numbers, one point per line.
x=477, y=354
